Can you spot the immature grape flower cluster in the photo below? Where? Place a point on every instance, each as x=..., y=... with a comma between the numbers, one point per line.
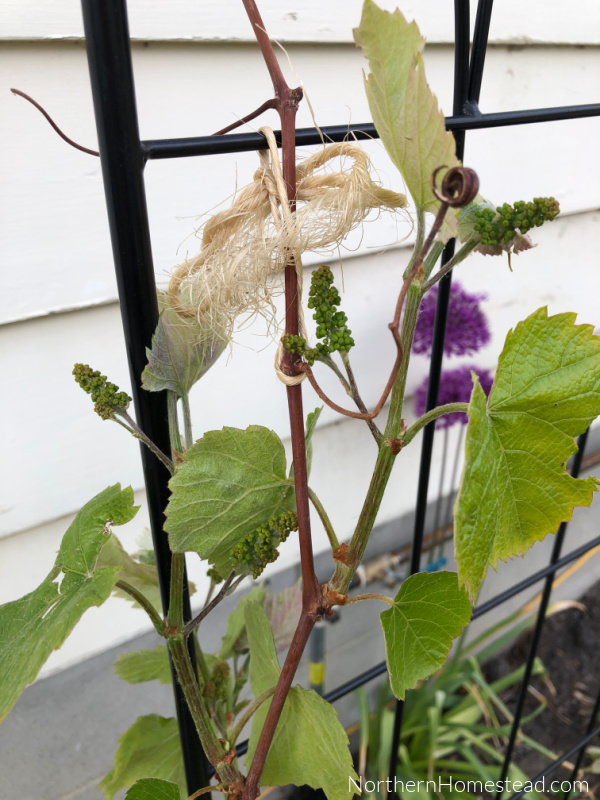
x=259, y=548
x=324, y=298
x=107, y=398
x=332, y=327
x=502, y=225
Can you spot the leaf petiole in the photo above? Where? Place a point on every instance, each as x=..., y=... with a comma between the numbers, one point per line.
x=143, y=601
x=249, y=713
x=371, y=596
x=333, y=540
x=440, y=411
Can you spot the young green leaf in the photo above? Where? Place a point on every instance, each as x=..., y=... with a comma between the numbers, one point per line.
x=283, y=611
x=182, y=351
x=514, y=488
x=429, y=611
x=32, y=627
x=264, y=666
x=153, y=789
x=310, y=745
x=87, y=534
x=231, y=482
x=150, y=748
x=311, y=426
x=235, y=639
x=144, y=665
x=404, y=109
x=143, y=577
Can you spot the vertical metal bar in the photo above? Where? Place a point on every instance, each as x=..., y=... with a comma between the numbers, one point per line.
x=480, y=40
x=111, y=75
x=461, y=82
x=539, y=623
x=583, y=748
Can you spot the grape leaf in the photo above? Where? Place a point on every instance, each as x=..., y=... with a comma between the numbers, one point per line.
x=142, y=576
x=429, y=611
x=35, y=625
x=310, y=745
x=235, y=639
x=311, y=426
x=153, y=789
x=182, y=351
x=264, y=666
x=230, y=483
x=514, y=488
x=144, y=665
x=404, y=109
x=283, y=611
x=150, y=748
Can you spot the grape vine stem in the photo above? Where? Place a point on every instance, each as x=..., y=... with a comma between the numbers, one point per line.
x=286, y=103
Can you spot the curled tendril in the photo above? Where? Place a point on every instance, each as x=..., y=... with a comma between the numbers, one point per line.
x=459, y=186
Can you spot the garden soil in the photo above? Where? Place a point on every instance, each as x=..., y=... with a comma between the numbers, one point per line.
x=570, y=651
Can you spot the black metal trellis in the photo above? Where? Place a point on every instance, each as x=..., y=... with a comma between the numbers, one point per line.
x=123, y=156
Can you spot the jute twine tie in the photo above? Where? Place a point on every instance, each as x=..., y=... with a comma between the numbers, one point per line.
x=275, y=185
x=248, y=245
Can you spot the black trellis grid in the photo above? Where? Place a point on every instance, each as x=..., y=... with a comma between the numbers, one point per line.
x=123, y=156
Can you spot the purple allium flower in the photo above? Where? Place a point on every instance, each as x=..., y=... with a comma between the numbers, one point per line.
x=467, y=329
x=455, y=387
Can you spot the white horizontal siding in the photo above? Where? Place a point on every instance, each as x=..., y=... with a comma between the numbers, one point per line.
x=56, y=247
x=513, y=21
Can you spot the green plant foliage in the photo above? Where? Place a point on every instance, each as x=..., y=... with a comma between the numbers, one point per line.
x=230, y=483
x=310, y=745
x=429, y=611
x=182, y=351
x=514, y=488
x=150, y=748
x=235, y=639
x=311, y=426
x=283, y=612
x=144, y=665
x=143, y=577
x=153, y=789
x=264, y=665
x=404, y=109
x=451, y=723
x=32, y=627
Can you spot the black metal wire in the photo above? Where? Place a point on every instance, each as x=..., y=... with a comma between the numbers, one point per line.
x=157, y=149
x=557, y=762
x=539, y=624
x=582, y=746
x=461, y=79
x=111, y=75
x=517, y=588
x=478, y=53
x=123, y=156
